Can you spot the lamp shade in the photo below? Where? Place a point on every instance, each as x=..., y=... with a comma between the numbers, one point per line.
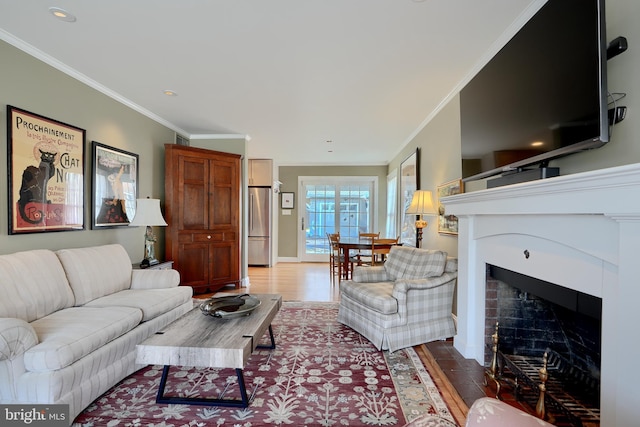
x=422, y=203
x=148, y=213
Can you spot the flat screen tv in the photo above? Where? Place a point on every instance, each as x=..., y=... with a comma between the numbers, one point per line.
x=542, y=96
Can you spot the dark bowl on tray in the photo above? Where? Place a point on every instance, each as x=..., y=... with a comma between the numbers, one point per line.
x=230, y=307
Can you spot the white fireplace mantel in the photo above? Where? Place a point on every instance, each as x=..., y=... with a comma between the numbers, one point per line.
x=581, y=231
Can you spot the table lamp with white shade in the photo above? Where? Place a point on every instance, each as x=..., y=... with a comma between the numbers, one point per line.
x=421, y=204
x=148, y=215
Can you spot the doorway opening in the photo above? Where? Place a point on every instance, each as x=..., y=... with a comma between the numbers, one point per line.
x=345, y=204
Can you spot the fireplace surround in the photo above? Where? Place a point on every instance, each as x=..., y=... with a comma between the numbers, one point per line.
x=581, y=231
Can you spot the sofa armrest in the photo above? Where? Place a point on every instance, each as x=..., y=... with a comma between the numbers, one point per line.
x=154, y=279
x=401, y=286
x=16, y=337
x=370, y=274
x=491, y=412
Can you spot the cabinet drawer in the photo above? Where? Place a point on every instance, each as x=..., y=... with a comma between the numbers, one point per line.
x=208, y=237
x=213, y=236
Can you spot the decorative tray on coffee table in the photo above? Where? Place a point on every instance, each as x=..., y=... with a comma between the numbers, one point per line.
x=230, y=307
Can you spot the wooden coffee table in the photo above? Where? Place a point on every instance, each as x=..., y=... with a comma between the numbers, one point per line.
x=199, y=340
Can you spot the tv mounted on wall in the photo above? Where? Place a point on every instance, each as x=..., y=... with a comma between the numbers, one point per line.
x=542, y=96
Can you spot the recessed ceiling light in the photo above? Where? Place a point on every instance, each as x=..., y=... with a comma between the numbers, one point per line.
x=537, y=144
x=169, y=92
x=62, y=14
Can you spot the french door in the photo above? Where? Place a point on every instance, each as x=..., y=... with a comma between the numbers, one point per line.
x=330, y=204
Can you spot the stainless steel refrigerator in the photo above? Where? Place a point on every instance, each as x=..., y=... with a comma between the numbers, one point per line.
x=259, y=226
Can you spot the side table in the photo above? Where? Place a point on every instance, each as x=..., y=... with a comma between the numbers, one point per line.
x=166, y=265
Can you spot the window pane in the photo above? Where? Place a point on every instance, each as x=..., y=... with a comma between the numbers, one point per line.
x=392, y=191
x=320, y=217
x=354, y=209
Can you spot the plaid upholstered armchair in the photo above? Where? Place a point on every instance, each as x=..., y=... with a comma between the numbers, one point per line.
x=406, y=302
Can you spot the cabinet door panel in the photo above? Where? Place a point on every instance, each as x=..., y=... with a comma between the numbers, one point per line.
x=222, y=212
x=223, y=174
x=192, y=214
x=223, y=263
x=260, y=172
x=193, y=264
x=193, y=193
x=225, y=196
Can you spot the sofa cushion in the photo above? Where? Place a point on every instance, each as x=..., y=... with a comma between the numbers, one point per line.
x=70, y=334
x=376, y=296
x=152, y=302
x=412, y=263
x=33, y=285
x=96, y=271
x=154, y=279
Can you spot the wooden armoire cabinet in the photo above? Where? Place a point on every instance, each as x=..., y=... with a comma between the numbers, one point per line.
x=202, y=208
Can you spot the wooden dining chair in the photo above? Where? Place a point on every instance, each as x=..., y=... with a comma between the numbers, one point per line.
x=364, y=256
x=380, y=249
x=335, y=257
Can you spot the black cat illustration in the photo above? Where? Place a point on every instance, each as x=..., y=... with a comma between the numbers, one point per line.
x=34, y=186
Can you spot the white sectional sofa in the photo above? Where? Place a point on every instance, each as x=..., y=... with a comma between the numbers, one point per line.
x=70, y=321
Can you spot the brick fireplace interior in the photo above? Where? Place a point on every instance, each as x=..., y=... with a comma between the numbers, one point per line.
x=535, y=317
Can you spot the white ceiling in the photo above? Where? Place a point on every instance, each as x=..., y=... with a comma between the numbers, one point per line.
x=288, y=74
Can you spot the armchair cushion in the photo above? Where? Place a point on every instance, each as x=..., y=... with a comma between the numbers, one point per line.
x=411, y=263
x=375, y=296
x=370, y=274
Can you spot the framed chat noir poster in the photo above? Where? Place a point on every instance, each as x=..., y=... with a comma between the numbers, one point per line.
x=46, y=173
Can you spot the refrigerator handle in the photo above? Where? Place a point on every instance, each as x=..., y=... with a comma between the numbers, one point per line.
x=251, y=212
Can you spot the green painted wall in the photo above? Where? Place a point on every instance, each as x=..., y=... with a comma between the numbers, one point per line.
x=288, y=224
x=439, y=144
x=28, y=83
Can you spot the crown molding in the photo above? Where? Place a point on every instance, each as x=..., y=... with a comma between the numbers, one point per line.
x=60, y=66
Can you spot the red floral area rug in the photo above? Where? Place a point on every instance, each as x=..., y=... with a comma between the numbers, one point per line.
x=321, y=373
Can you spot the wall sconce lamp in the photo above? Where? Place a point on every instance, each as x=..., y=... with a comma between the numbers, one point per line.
x=421, y=204
x=148, y=215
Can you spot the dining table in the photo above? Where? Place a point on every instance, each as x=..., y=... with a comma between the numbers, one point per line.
x=348, y=244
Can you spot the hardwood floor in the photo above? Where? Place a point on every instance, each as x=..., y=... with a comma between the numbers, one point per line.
x=294, y=281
